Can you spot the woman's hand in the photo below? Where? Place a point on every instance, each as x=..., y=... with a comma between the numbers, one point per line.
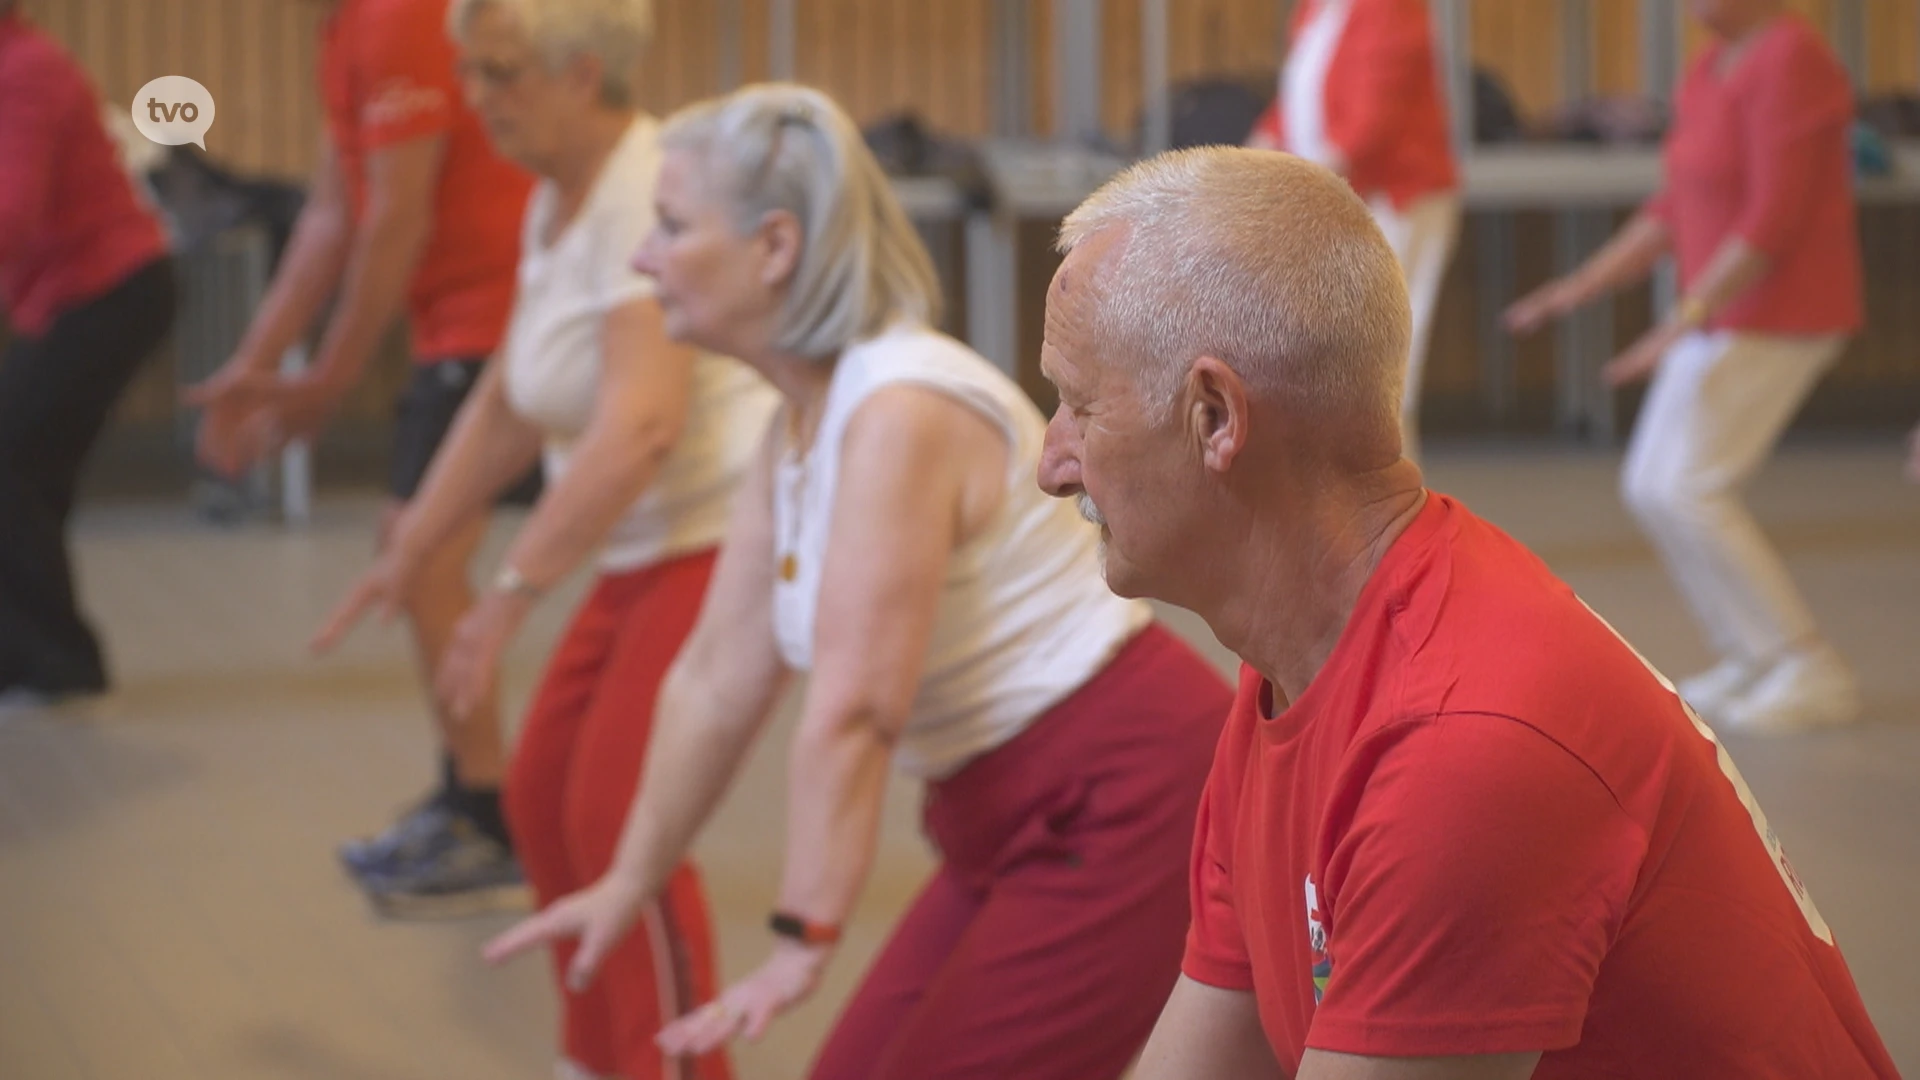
x=747, y=1007
x=1643, y=357
x=599, y=916
x=1543, y=305
x=472, y=658
x=383, y=589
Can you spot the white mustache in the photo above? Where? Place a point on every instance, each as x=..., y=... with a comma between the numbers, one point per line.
x=1089, y=511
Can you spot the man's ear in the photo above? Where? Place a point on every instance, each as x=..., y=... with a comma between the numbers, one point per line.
x=781, y=241
x=1218, y=412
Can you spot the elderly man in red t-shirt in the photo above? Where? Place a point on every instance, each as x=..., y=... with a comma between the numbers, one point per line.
x=410, y=209
x=1455, y=827
x=1758, y=211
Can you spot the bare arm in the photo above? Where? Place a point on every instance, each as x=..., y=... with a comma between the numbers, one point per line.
x=309, y=269
x=910, y=461
x=715, y=700
x=387, y=243
x=489, y=447
x=1627, y=258
x=918, y=473
x=1205, y=1031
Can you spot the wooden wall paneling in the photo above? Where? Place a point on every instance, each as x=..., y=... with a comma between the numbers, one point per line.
x=1040, y=60
x=1616, y=60
x=1893, y=46
x=1122, y=71
x=1519, y=40
x=1234, y=38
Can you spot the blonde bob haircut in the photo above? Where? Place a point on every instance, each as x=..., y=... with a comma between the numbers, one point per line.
x=777, y=146
x=614, y=32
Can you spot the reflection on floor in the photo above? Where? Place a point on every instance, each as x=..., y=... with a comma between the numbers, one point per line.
x=169, y=907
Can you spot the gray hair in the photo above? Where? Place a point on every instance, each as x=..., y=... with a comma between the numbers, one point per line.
x=614, y=32
x=777, y=146
x=1264, y=261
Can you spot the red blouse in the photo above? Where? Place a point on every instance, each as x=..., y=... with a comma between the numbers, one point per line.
x=1762, y=153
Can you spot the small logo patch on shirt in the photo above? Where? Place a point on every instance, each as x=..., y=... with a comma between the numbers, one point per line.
x=1317, y=939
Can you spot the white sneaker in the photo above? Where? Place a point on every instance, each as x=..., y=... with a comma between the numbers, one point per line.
x=1806, y=689
x=1713, y=690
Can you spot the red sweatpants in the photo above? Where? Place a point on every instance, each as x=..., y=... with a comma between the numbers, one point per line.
x=1046, y=944
x=567, y=792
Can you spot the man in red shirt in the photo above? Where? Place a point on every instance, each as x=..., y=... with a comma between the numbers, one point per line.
x=1455, y=827
x=1758, y=210
x=88, y=293
x=409, y=203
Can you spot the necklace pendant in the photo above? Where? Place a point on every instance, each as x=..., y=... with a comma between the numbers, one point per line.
x=789, y=567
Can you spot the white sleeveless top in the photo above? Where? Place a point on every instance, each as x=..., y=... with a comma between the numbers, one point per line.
x=1025, y=617
x=552, y=353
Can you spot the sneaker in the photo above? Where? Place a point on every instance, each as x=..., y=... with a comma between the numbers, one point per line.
x=401, y=843
x=1807, y=689
x=1713, y=690
x=461, y=872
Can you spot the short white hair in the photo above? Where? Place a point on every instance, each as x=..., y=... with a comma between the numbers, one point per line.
x=1261, y=260
x=614, y=32
x=778, y=146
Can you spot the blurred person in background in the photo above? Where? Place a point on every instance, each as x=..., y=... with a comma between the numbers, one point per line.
x=645, y=442
x=1360, y=94
x=1758, y=209
x=409, y=209
x=89, y=293
x=890, y=542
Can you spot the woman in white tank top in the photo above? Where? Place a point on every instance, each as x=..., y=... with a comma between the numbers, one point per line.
x=891, y=544
x=645, y=442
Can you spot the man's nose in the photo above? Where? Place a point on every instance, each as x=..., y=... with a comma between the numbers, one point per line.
x=1059, y=472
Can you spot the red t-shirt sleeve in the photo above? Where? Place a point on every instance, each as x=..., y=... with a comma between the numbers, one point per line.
x=1481, y=877
x=408, y=64
x=1795, y=128
x=1390, y=42
x=1216, y=951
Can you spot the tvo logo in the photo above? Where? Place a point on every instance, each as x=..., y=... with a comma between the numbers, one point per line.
x=174, y=110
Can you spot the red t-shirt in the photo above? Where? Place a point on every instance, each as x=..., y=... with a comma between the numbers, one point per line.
x=387, y=75
x=1764, y=154
x=1385, y=107
x=71, y=227
x=1488, y=827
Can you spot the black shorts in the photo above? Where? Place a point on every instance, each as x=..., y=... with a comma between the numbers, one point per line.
x=424, y=416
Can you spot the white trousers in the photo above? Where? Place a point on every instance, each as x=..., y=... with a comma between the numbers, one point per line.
x=1422, y=237
x=1718, y=404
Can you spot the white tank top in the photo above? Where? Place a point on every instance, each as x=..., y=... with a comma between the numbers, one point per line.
x=1025, y=617
x=552, y=356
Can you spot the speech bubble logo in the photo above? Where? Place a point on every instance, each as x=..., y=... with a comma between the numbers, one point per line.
x=173, y=110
